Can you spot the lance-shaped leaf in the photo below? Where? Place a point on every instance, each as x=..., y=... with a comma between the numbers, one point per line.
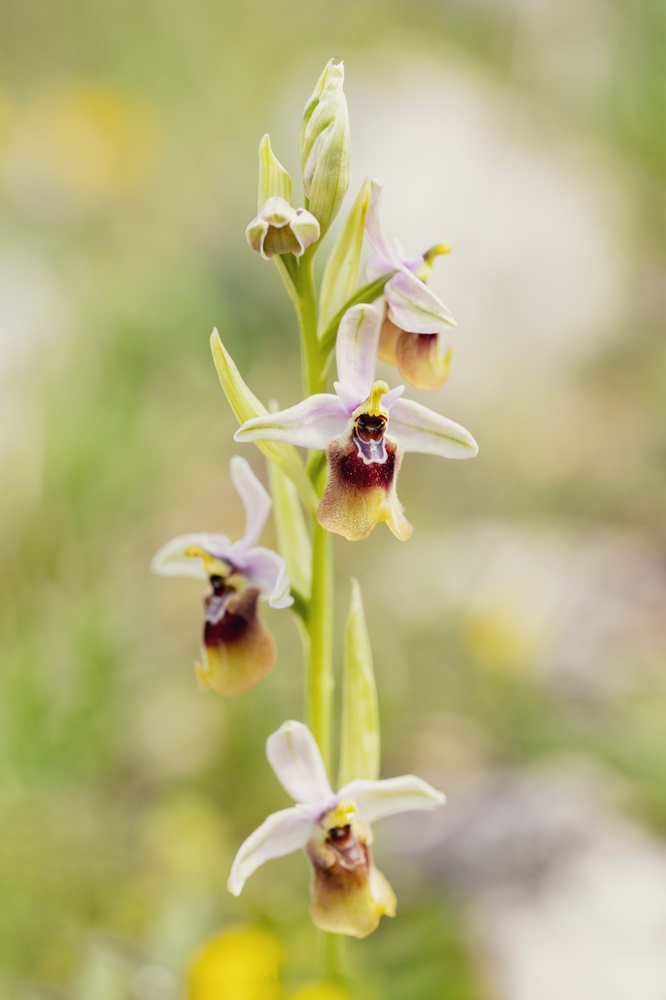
x=292, y=534
x=360, y=745
x=246, y=406
x=341, y=272
x=274, y=180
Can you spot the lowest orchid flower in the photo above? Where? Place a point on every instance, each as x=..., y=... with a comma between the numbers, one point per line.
x=365, y=428
x=349, y=895
x=413, y=335
x=237, y=651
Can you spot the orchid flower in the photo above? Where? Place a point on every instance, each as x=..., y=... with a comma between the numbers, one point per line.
x=280, y=228
x=349, y=895
x=365, y=428
x=413, y=336
x=237, y=649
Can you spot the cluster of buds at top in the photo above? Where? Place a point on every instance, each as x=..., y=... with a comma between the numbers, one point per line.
x=279, y=227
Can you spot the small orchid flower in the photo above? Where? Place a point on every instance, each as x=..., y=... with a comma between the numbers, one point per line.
x=365, y=428
x=280, y=228
x=413, y=336
x=237, y=651
x=349, y=895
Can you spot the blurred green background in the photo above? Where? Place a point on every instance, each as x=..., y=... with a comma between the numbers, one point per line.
x=519, y=636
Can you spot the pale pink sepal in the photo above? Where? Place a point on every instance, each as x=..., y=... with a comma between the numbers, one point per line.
x=295, y=758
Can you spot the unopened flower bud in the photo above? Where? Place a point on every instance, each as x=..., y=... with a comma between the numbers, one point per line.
x=280, y=228
x=324, y=142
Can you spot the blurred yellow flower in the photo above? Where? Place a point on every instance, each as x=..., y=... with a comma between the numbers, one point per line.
x=242, y=963
x=87, y=140
x=502, y=639
x=6, y=118
x=186, y=834
x=320, y=991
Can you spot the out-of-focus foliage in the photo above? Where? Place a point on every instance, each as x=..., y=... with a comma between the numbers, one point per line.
x=518, y=638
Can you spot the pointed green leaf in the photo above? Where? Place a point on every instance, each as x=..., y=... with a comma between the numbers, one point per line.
x=359, y=747
x=245, y=406
x=274, y=180
x=293, y=538
x=341, y=273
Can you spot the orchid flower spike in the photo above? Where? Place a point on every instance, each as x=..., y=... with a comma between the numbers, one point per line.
x=417, y=323
x=349, y=895
x=280, y=228
x=365, y=428
x=237, y=651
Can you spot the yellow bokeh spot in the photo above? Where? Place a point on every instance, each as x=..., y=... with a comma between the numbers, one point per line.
x=242, y=963
x=88, y=140
x=6, y=118
x=320, y=991
x=185, y=835
x=501, y=640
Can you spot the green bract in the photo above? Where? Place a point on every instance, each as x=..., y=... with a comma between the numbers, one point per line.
x=342, y=270
x=359, y=742
x=274, y=180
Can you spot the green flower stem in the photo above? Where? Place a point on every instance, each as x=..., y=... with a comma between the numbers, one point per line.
x=335, y=960
x=319, y=623
x=319, y=686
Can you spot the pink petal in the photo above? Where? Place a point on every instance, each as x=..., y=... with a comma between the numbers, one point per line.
x=255, y=499
x=419, y=429
x=412, y=306
x=311, y=423
x=283, y=832
x=294, y=756
x=356, y=349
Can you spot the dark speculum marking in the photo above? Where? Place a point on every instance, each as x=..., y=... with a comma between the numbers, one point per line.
x=229, y=616
x=368, y=436
x=349, y=852
x=340, y=834
x=370, y=427
x=218, y=585
x=353, y=470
